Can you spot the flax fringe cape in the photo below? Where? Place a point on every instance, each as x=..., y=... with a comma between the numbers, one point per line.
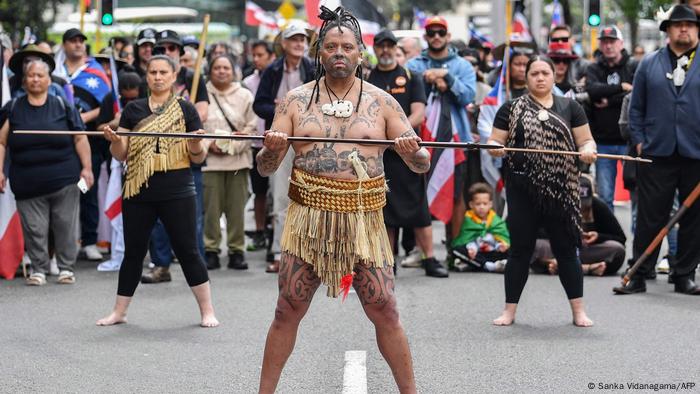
x=172, y=153
x=334, y=224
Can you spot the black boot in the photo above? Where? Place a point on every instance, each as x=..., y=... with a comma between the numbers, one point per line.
x=212, y=260
x=635, y=285
x=434, y=268
x=236, y=261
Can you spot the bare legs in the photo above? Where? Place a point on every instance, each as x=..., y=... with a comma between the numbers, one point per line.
x=577, y=310
x=259, y=208
x=375, y=289
x=202, y=293
x=298, y=283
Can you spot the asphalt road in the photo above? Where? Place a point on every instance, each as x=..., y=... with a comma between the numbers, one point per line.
x=49, y=342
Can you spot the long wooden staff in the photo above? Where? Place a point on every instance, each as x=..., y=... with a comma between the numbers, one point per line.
x=198, y=62
x=660, y=236
x=359, y=141
x=572, y=153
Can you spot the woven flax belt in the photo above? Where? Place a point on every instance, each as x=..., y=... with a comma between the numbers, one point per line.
x=337, y=195
x=335, y=224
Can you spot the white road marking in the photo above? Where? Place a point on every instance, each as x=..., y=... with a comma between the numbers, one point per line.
x=355, y=372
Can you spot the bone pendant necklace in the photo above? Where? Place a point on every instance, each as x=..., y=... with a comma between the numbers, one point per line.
x=340, y=108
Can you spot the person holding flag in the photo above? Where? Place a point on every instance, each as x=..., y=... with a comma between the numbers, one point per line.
x=87, y=86
x=450, y=86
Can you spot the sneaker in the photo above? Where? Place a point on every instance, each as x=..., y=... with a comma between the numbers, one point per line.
x=412, y=260
x=91, y=252
x=258, y=241
x=664, y=267
x=237, y=261
x=212, y=260
x=434, y=268
x=501, y=265
x=66, y=278
x=157, y=275
x=36, y=279
x=109, y=266
x=53, y=266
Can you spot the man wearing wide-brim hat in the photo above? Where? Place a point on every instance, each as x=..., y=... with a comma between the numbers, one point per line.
x=17, y=62
x=663, y=123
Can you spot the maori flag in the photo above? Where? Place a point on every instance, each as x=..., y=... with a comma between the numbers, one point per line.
x=490, y=166
x=444, y=178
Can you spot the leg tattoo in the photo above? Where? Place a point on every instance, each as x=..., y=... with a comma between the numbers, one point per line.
x=373, y=285
x=297, y=280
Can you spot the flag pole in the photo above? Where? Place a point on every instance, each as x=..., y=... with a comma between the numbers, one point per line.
x=506, y=53
x=200, y=55
x=82, y=14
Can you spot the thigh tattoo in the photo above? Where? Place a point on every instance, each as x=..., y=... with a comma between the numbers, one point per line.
x=374, y=285
x=297, y=280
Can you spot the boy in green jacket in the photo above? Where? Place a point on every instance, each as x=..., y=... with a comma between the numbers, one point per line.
x=483, y=241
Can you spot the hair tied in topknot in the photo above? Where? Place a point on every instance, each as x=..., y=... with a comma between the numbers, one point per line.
x=328, y=15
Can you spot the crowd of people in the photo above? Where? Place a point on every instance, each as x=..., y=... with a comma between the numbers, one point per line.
x=323, y=210
x=616, y=103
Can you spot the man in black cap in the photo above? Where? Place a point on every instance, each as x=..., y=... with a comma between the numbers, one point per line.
x=663, y=123
x=407, y=204
x=144, y=50
x=168, y=43
x=90, y=85
x=608, y=80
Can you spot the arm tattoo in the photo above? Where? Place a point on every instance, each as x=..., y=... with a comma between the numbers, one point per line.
x=267, y=161
x=408, y=133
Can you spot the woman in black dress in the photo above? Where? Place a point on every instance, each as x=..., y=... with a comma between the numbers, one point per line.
x=542, y=190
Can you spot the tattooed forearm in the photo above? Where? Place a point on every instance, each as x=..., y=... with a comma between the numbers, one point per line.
x=268, y=161
x=408, y=133
x=418, y=162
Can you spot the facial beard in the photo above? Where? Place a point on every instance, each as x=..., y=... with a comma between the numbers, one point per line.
x=345, y=72
x=386, y=60
x=437, y=49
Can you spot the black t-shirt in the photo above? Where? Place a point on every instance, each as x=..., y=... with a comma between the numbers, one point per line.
x=42, y=164
x=169, y=185
x=406, y=87
x=107, y=109
x=567, y=109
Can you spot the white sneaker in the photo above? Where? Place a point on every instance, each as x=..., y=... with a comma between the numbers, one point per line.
x=413, y=260
x=109, y=266
x=501, y=265
x=53, y=266
x=663, y=267
x=92, y=253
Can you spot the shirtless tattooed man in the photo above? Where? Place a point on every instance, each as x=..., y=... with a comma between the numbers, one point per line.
x=337, y=190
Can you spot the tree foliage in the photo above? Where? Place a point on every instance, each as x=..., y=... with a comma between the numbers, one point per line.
x=633, y=10
x=16, y=14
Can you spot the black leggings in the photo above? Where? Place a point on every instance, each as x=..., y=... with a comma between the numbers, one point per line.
x=178, y=217
x=523, y=224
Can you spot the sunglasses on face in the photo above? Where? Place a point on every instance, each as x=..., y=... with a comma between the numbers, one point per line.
x=432, y=33
x=561, y=60
x=560, y=39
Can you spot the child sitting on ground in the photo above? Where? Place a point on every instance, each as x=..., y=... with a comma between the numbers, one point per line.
x=483, y=240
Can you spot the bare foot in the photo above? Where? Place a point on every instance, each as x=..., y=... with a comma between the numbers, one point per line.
x=597, y=269
x=506, y=319
x=112, y=319
x=582, y=320
x=209, y=321
x=552, y=267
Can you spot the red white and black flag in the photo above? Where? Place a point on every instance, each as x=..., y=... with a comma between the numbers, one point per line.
x=370, y=18
x=446, y=169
